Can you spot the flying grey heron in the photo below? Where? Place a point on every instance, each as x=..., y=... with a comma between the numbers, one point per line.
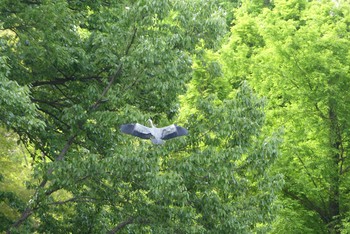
x=157, y=135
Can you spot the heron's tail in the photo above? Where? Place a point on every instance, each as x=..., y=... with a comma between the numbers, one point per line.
x=157, y=141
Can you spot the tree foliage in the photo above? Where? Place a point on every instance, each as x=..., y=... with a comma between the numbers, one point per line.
x=74, y=71
x=71, y=72
x=232, y=158
x=297, y=55
x=15, y=171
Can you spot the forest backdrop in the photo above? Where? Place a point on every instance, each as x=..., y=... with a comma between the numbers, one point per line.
x=262, y=87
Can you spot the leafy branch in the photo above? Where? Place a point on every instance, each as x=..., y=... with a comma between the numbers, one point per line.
x=69, y=142
x=122, y=225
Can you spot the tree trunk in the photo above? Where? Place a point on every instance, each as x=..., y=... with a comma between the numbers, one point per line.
x=334, y=192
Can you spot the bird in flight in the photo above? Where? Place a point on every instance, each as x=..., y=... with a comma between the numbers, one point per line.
x=157, y=135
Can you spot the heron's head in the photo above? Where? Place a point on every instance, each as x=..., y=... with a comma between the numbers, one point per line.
x=150, y=121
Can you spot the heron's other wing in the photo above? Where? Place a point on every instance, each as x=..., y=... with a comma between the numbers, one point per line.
x=172, y=131
x=136, y=130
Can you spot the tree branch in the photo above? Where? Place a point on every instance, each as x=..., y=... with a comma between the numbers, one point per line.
x=29, y=210
x=113, y=77
x=345, y=170
x=63, y=81
x=54, y=117
x=311, y=178
x=74, y=199
x=320, y=112
x=307, y=203
x=122, y=225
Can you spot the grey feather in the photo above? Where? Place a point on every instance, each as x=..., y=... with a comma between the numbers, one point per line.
x=136, y=130
x=173, y=131
x=157, y=135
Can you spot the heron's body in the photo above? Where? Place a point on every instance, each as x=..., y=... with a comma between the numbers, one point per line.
x=157, y=135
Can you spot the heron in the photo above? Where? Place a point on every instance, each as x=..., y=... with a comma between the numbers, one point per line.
x=157, y=135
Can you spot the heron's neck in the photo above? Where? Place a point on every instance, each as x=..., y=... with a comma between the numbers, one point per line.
x=150, y=121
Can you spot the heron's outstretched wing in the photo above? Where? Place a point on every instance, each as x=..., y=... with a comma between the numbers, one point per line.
x=136, y=130
x=172, y=131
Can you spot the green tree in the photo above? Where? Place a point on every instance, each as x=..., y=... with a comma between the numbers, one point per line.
x=15, y=170
x=297, y=55
x=228, y=159
x=72, y=72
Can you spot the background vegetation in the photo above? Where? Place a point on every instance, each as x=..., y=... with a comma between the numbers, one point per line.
x=262, y=87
